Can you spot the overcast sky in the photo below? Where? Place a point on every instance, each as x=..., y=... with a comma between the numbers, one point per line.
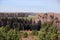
x=29, y=5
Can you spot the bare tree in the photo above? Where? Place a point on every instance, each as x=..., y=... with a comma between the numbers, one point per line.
x=45, y=16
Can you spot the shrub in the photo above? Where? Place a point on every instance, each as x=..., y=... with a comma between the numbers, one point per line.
x=48, y=33
x=13, y=35
x=2, y=34
x=25, y=34
x=9, y=34
x=34, y=33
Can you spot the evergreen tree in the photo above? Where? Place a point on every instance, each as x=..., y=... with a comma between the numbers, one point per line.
x=48, y=32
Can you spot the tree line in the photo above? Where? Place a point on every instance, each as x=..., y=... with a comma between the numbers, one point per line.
x=20, y=24
x=25, y=24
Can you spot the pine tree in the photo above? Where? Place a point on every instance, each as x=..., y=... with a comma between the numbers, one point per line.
x=48, y=32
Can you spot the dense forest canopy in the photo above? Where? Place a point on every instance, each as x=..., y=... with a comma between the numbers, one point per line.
x=21, y=24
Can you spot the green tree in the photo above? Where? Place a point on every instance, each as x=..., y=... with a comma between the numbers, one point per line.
x=48, y=32
x=13, y=35
x=9, y=34
x=2, y=34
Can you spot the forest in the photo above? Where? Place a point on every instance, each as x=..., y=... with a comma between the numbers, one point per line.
x=20, y=24
x=24, y=29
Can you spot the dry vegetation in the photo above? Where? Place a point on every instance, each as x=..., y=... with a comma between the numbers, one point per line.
x=29, y=36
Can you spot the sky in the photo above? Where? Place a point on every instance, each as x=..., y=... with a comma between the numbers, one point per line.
x=29, y=5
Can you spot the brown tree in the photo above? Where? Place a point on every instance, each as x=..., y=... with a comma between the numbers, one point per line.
x=52, y=18
x=45, y=16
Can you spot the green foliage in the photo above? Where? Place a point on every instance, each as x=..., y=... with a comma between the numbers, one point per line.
x=25, y=34
x=4, y=29
x=9, y=34
x=13, y=35
x=42, y=34
x=34, y=33
x=2, y=34
x=59, y=32
x=48, y=32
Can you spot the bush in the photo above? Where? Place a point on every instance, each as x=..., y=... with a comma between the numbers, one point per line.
x=10, y=34
x=48, y=33
x=2, y=34
x=34, y=33
x=5, y=29
x=13, y=35
x=58, y=32
x=25, y=34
